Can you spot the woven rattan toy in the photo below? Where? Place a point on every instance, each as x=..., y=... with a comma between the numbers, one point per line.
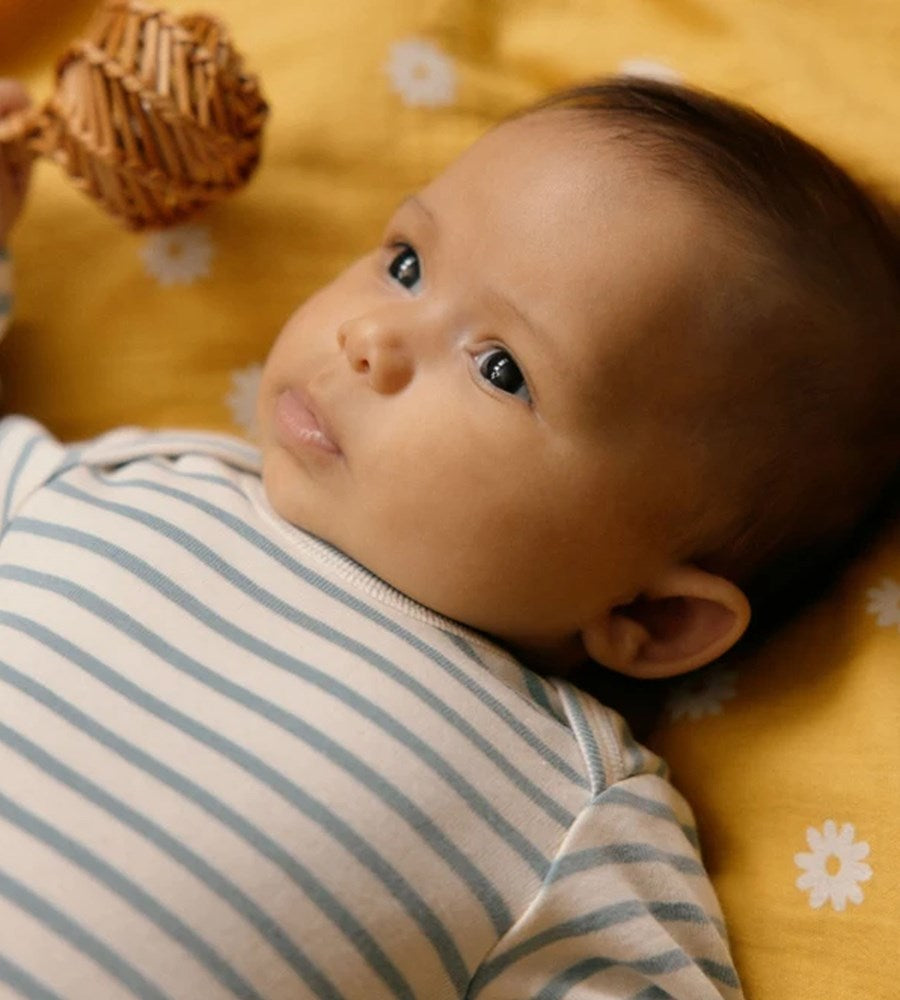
x=152, y=115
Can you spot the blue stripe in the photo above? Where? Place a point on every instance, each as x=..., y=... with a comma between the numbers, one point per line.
x=589, y=923
x=130, y=892
x=417, y=908
x=596, y=770
x=355, y=933
x=532, y=683
x=716, y=970
x=114, y=616
x=620, y=854
x=71, y=458
x=21, y=461
x=168, y=469
x=559, y=986
x=625, y=853
x=79, y=938
x=258, y=540
x=621, y=797
x=6, y=304
x=418, y=821
x=365, y=707
x=662, y=964
x=23, y=983
x=539, y=692
x=635, y=754
x=641, y=758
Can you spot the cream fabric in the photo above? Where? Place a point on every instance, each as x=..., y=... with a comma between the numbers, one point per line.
x=235, y=764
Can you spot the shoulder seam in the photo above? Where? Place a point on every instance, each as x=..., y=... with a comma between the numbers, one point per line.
x=592, y=725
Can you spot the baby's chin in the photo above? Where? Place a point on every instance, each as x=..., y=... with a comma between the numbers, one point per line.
x=287, y=497
x=557, y=655
x=451, y=582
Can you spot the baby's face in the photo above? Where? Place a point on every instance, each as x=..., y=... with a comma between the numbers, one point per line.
x=465, y=410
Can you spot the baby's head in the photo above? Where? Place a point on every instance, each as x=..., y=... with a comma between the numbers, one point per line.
x=630, y=360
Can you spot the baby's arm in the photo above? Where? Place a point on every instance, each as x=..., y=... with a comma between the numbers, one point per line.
x=14, y=176
x=626, y=911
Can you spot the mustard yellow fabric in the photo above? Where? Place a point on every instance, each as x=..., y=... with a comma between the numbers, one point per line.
x=805, y=736
x=796, y=753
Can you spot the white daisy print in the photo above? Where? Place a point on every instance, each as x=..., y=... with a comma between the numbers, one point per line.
x=833, y=868
x=649, y=69
x=421, y=73
x=178, y=256
x=884, y=603
x=702, y=694
x=241, y=399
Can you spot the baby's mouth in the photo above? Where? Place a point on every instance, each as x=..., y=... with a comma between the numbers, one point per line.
x=300, y=424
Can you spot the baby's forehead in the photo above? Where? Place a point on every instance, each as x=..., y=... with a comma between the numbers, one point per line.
x=561, y=140
x=558, y=172
x=618, y=265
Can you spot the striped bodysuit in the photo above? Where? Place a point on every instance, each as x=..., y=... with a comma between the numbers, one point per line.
x=235, y=764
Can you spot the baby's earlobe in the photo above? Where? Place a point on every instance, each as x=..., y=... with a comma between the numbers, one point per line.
x=614, y=642
x=688, y=619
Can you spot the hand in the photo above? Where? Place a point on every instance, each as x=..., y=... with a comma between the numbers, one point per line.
x=14, y=171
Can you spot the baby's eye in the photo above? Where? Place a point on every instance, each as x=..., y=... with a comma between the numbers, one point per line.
x=404, y=267
x=498, y=366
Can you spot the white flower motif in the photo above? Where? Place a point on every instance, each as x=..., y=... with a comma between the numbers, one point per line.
x=178, y=256
x=833, y=869
x=702, y=694
x=884, y=603
x=421, y=73
x=241, y=400
x=649, y=69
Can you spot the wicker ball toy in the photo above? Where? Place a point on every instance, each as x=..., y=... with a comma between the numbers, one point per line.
x=152, y=115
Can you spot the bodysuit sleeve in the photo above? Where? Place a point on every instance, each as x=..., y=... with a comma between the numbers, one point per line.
x=626, y=911
x=29, y=456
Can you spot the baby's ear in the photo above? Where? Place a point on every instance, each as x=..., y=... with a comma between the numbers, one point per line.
x=687, y=619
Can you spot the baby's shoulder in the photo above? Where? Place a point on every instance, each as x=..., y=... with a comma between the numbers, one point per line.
x=130, y=444
x=610, y=751
x=33, y=459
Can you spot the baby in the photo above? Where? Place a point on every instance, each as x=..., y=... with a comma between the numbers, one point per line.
x=290, y=721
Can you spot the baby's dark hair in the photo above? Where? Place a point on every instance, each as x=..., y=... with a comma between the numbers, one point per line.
x=807, y=447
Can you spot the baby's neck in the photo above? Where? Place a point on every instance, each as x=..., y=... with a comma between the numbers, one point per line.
x=557, y=657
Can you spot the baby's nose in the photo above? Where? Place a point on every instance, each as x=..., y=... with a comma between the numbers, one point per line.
x=379, y=350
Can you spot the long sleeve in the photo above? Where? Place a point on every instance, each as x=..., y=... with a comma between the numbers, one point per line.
x=627, y=910
x=29, y=455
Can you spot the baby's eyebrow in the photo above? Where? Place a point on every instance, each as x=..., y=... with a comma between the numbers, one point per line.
x=414, y=202
x=507, y=302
